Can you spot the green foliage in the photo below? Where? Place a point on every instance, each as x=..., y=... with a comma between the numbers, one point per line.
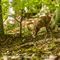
x=26, y=32
x=27, y=46
x=31, y=5
x=5, y=6
x=10, y=27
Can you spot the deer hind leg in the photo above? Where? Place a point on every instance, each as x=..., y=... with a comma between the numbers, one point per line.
x=50, y=32
x=47, y=31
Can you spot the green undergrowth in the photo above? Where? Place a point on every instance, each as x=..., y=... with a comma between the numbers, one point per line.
x=37, y=47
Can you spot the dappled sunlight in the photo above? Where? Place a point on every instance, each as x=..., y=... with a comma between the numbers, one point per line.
x=29, y=30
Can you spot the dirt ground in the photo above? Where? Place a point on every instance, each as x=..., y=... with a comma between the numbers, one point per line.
x=30, y=45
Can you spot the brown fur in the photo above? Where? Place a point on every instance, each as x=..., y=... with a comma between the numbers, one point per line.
x=43, y=22
x=35, y=24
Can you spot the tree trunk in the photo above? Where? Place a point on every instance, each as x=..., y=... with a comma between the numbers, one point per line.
x=21, y=26
x=22, y=17
x=1, y=21
x=58, y=12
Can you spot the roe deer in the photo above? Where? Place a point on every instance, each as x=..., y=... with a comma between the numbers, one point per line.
x=42, y=22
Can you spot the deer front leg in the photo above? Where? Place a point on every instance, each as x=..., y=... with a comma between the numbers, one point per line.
x=36, y=29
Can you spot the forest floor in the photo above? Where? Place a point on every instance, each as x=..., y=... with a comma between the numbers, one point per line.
x=38, y=47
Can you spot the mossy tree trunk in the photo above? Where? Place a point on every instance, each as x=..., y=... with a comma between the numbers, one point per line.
x=22, y=17
x=21, y=26
x=1, y=20
x=58, y=12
